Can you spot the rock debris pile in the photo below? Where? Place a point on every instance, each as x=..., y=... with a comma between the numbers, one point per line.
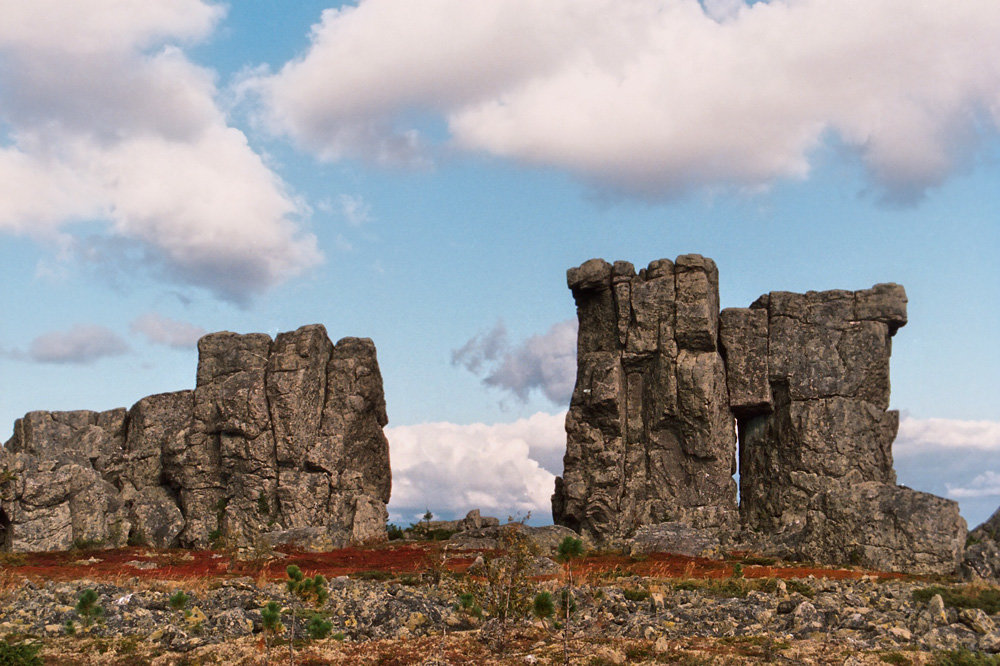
x=663, y=379
x=280, y=440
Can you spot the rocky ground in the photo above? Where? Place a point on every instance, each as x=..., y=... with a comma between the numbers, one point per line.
x=420, y=604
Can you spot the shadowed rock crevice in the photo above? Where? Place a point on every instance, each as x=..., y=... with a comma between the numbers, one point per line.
x=280, y=440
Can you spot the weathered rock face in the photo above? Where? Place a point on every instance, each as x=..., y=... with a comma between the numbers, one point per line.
x=280, y=440
x=982, y=556
x=55, y=491
x=816, y=460
x=662, y=379
x=885, y=527
x=650, y=437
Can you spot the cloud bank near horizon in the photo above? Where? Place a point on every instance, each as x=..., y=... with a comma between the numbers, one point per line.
x=509, y=468
x=104, y=119
x=503, y=469
x=652, y=98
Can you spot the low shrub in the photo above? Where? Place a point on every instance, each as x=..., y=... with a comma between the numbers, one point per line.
x=22, y=653
x=965, y=596
x=965, y=657
x=373, y=575
x=638, y=594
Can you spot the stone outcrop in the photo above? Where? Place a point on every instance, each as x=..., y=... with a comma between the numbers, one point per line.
x=816, y=462
x=474, y=520
x=982, y=555
x=676, y=538
x=281, y=440
x=663, y=379
x=650, y=437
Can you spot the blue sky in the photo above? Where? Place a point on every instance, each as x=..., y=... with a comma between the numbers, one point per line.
x=423, y=172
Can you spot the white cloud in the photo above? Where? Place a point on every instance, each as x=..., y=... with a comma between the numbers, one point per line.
x=102, y=25
x=984, y=485
x=653, y=96
x=920, y=435
x=107, y=120
x=546, y=362
x=503, y=468
x=83, y=343
x=165, y=331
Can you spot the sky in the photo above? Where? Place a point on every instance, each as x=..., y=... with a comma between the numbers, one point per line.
x=423, y=172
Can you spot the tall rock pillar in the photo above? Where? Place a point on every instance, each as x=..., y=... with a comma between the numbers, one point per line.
x=650, y=437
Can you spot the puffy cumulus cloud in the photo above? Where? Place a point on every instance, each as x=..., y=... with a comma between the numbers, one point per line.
x=503, y=469
x=104, y=119
x=98, y=26
x=546, y=362
x=165, y=331
x=652, y=97
x=83, y=343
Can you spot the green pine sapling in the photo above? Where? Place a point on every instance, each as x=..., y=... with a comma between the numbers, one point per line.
x=307, y=590
x=270, y=615
x=569, y=549
x=87, y=608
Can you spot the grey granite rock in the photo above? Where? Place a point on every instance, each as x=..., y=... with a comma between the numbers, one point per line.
x=676, y=538
x=982, y=554
x=650, y=436
x=816, y=471
x=743, y=336
x=545, y=538
x=661, y=377
x=279, y=437
x=53, y=493
x=884, y=527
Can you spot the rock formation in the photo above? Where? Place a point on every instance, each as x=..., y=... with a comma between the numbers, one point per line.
x=650, y=437
x=663, y=377
x=816, y=460
x=280, y=440
x=982, y=555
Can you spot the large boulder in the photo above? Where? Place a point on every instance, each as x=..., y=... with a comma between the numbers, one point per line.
x=884, y=527
x=53, y=493
x=676, y=538
x=545, y=539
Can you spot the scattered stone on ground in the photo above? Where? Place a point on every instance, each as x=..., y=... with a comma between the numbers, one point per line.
x=642, y=617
